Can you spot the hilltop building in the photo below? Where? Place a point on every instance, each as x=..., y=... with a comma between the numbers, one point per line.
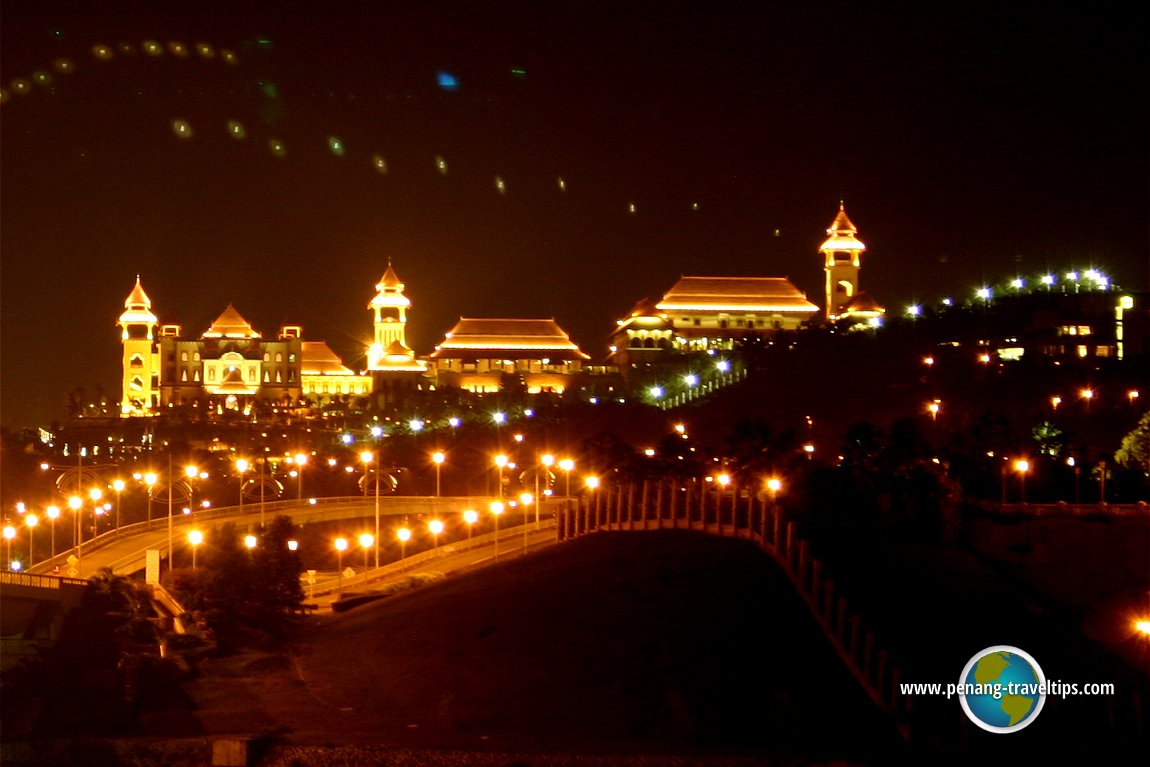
x=489, y=355
x=229, y=367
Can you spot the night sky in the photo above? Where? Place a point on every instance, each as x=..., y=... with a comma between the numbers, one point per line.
x=970, y=142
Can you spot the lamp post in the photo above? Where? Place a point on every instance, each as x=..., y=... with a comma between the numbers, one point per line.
x=75, y=503
x=470, y=516
x=435, y=527
x=437, y=458
x=500, y=463
x=496, y=509
x=242, y=466
x=9, y=534
x=195, y=538
x=300, y=462
x=774, y=484
x=150, y=480
x=366, y=540
x=31, y=520
x=1022, y=466
x=53, y=513
x=404, y=535
x=567, y=465
x=548, y=461
x=340, y=547
x=117, y=485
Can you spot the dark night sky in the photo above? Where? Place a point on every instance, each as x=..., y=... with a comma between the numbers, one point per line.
x=969, y=140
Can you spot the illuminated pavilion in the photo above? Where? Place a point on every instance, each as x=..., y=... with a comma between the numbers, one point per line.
x=491, y=355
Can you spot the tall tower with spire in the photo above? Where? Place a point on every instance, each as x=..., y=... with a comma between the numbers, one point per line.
x=842, y=255
x=141, y=363
x=390, y=308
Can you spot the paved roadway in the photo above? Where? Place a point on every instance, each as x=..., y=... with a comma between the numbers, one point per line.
x=124, y=552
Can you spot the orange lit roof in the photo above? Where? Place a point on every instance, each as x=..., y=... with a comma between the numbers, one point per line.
x=317, y=358
x=738, y=294
x=507, y=338
x=231, y=325
x=841, y=234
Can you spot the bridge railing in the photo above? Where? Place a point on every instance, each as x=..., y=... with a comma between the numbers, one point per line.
x=663, y=505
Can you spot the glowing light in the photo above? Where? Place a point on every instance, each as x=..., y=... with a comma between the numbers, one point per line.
x=562, y=185
x=152, y=48
x=500, y=460
x=1072, y=276
x=205, y=50
x=914, y=310
x=500, y=186
x=195, y=537
x=229, y=57
x=631, y=207
x=470, y=516
x=496, y=508
x=435, y=527
x=277, y=147
x=656, y=391
x=983, y=293
x=1055, y=401
x=723, y=366
x=335, y=146
x=236, y=129
x=376, y=431
x=64, y=66
x=1022, y=466
x=1048, y=279
x=403, y=534
x=446, y=81
x=453, y=422
x=1018, y=283
x=592, y=482
x=691, y=379
x=498, y=417
x=415, y=425
x=441, y=165
x=177, y=48
x=379, y=163
x=723, y=479
x=340, y=544
x=1087, y=394
x=366, y=540
x=103, y=52
x=250, y=541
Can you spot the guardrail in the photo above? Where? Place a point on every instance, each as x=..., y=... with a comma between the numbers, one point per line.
x=663, y=505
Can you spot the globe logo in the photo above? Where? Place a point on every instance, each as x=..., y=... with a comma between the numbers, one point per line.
x=1002, y=689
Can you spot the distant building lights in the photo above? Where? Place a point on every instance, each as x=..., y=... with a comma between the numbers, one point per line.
x=914, y=310
x=723, y=366
x=377, y=431
x=498, y=417
x=983, y=293
x=947, y=302
x=1092, y=274
x=1018, y=283
x=656, y=391
x=1072, y=276
x=453, y=422
x=1048, y=279
x=691, y=379
x=346, y=439
x=415, y=424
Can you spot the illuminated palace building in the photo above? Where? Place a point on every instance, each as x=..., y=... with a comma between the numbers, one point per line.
x=709, y=313
x=232, y=368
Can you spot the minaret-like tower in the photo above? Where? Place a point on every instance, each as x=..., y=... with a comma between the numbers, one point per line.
x=842, y=252
x=141, y=362
x=390, y=306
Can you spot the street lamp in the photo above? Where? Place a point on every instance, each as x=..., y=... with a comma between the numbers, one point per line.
x=242, y=466
x=548, y=461
x=933, y=409
x=1022, y=466
x=496, y=509
x=437, y=458
x=365, y=542
x=592, y=482
x=470, y=516
x=435, y=526
x=404, y=535
x=340, y=547
x=9, y=534
x=300, y=462
x=774, y=484
x=568, y=466
x=53, y=513
x=150, y=479
x=367, y=456
x=250, y=541
x=75, y=503
x=195, y=538
x=31, y=521
x=118, y=485
x=500, y=463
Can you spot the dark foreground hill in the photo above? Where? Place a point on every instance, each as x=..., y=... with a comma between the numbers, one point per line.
x=656, y=643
